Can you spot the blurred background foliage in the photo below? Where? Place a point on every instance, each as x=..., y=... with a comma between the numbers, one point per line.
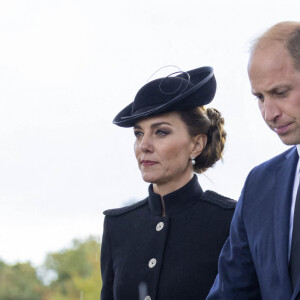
x=72, y=273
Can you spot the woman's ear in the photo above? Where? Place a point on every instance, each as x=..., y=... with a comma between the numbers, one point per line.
x=200, y=141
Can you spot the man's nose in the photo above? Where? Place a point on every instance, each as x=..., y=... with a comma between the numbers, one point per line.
x=270, y=110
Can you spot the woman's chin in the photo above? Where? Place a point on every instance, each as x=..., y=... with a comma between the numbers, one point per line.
x=150, y=178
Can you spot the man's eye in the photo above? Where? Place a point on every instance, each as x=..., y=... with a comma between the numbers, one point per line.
x=260, y=97
x=281, y=93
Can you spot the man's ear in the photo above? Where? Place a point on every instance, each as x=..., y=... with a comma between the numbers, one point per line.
x=200, y=141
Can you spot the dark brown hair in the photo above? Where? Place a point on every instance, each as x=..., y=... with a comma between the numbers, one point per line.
x=211, y=123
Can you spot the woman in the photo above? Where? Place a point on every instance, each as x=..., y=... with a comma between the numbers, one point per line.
x=167, y=245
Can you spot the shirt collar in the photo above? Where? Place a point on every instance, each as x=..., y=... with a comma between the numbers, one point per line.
x=298, y=165
x=298, y=149
x=176, y=201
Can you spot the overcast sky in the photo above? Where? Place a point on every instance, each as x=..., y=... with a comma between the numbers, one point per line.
x=67, y=67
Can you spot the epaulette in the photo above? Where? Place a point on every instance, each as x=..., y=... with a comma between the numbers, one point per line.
x=219, y=200
x=125, y=209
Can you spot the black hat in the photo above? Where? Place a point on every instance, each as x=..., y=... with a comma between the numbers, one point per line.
x=184, y=91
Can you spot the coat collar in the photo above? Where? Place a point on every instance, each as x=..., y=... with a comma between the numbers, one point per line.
x=176, y=201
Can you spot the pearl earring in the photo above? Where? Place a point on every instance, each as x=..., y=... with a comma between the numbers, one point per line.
x=193, y=160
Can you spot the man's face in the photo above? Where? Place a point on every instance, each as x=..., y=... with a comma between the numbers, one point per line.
x=276, y=84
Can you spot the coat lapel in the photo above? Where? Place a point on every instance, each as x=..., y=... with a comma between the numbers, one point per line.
x=284, y=180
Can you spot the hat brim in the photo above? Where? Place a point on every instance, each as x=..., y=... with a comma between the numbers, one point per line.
x=201, y=93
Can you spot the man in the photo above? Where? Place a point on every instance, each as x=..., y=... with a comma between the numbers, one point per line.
x=260, y=259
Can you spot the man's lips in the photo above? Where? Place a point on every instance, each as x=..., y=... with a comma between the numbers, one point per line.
x=148, y=163
x=280, y=129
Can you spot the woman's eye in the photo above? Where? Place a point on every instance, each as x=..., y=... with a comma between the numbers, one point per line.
x=162, y=132
x=138, y=133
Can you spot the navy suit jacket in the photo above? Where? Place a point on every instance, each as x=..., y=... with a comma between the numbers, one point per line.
x=253, y=263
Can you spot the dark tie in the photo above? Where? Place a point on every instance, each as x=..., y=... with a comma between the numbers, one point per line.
x=295, y=248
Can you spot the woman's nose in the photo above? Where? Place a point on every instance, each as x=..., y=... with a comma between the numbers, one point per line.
x=146, y=143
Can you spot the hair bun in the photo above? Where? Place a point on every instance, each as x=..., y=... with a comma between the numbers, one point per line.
x=215, y=117
x=207, y=121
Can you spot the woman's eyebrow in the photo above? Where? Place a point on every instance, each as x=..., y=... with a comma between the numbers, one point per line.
x=154, y=125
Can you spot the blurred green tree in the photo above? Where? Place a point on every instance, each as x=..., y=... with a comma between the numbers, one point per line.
x=78, y=271
x=19, y=282
x=75, y=275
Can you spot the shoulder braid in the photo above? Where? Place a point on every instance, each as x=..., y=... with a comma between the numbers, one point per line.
x=125, y=209
x=219, y=200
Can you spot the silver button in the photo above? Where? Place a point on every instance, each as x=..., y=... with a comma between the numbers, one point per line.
x=152, y=263
x=147, y=298
x=159, y=226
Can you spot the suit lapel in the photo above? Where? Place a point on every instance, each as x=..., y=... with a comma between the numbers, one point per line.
x=284, y=180
x=296, y=294
x=296, y=291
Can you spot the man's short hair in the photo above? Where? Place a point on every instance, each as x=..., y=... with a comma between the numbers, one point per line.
x=287, y=33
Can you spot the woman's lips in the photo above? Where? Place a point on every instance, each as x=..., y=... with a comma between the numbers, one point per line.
x=148, y=163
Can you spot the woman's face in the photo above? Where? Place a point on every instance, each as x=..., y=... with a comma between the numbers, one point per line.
x=163, y=148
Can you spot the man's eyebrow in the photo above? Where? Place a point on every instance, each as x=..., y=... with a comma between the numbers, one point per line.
x=255, y=93
x=272, y=89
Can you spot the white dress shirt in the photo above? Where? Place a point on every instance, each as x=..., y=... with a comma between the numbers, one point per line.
x=295, y=188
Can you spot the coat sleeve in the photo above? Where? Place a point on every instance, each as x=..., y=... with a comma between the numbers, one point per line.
x=107, y=272
x=237, y=277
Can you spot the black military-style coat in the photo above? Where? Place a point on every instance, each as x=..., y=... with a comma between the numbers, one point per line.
x=147, y=256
